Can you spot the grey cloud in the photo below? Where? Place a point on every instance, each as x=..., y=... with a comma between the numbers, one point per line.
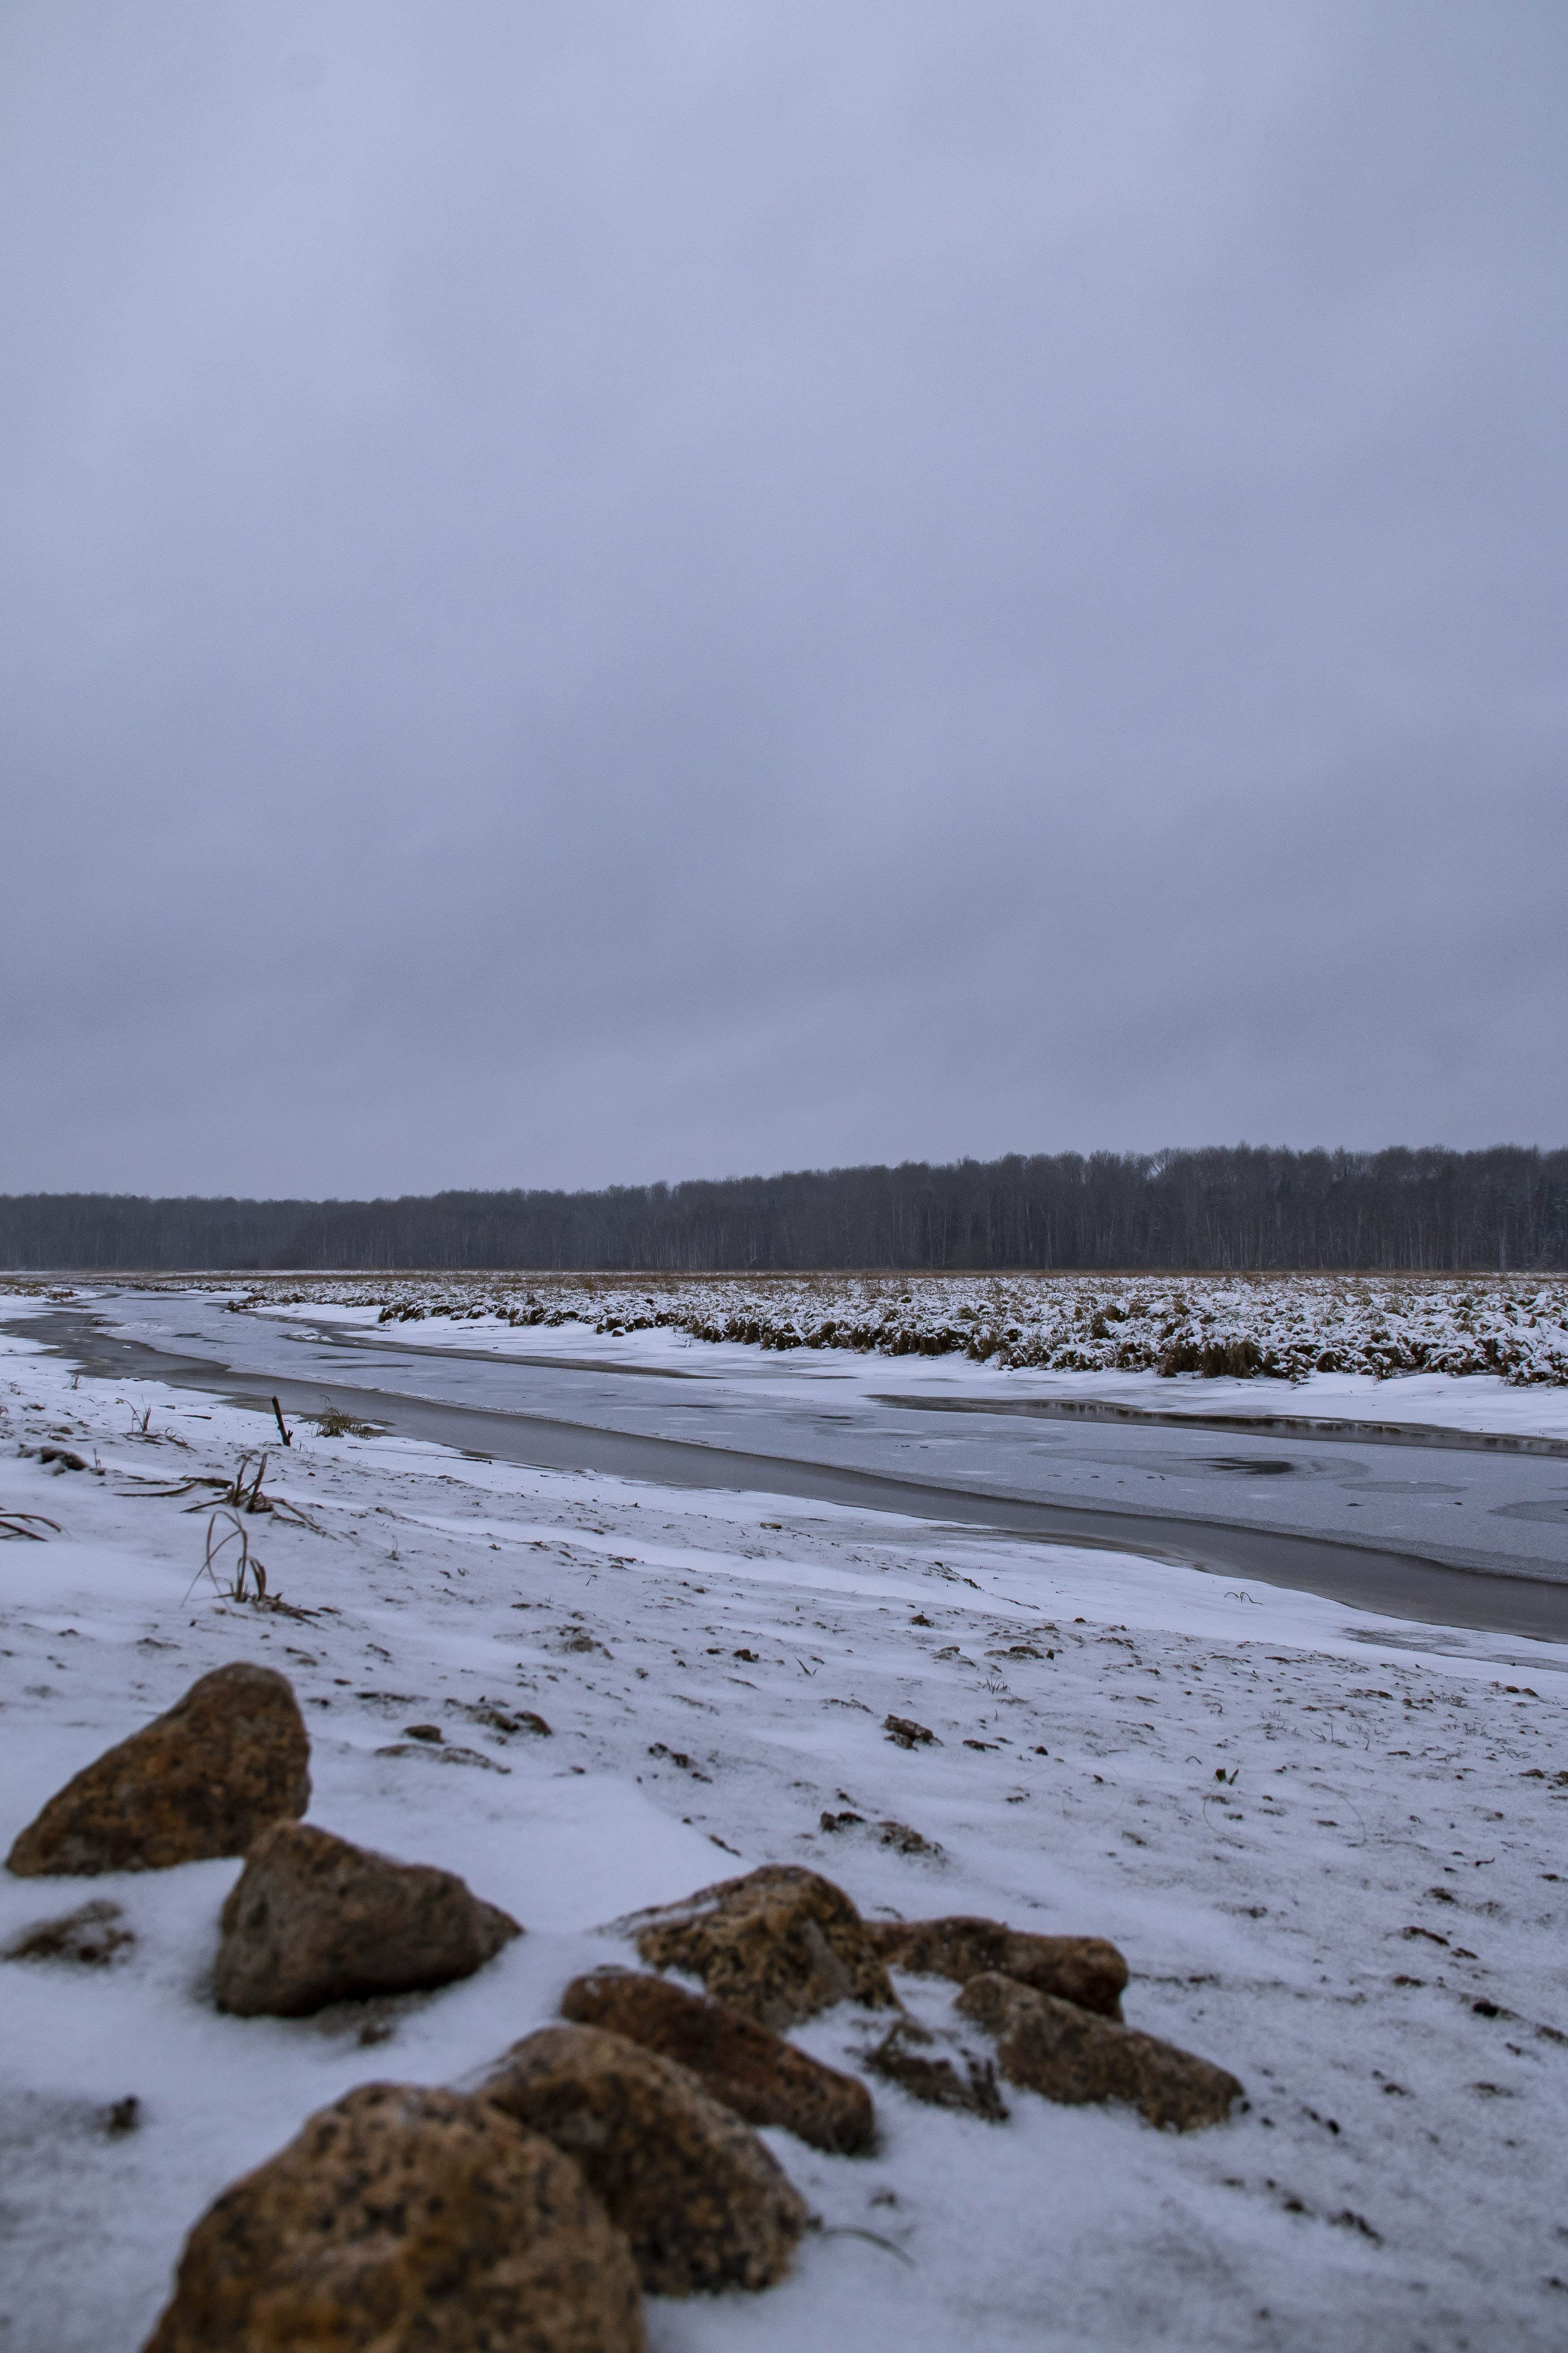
x=598, y=593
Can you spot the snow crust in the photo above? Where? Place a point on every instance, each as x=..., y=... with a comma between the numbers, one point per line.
x=1384, y=1853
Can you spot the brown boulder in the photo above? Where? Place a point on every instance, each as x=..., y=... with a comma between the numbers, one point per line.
x=703, y=2204
x=1051, y=2046
x=780, y=1944
x=202, y=1780
x=311, y=1919
x=405, y=2221
x=1083, y=1969
x=752, y=2071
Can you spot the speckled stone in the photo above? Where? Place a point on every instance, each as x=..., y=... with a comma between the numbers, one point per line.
x=1068, y=2054
x=1083, y=1969
x=312, y=1919
x=781, y=1943
x=703, y=2204
x=406, y=2220
x=751, y=2070
x=202, y=1780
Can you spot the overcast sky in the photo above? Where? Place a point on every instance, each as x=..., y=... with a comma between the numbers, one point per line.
x=601, y=592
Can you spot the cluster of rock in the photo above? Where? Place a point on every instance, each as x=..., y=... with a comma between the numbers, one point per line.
x=613, y=2154
x=782, y=1944
x=311, y=1919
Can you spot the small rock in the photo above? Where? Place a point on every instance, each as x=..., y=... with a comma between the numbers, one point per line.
x=899, y=2059
x=703, y=2204
x=430, y=1732
x=402, y=2219
x=1083, y=1969
x=202, y=1780
x=756, y=2073
x=504, y=1719
x=1051, y=2046
x=449, y=1752
x=889, y=1833
x=122, y=2115
x=908, y=1733
x=907, y=1841
x=92, y=1936
x=311, y=1920
x=780, y=1944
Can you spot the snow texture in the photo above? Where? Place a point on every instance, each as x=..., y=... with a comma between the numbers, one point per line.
x=1331, y=1847
x=1284, y=1327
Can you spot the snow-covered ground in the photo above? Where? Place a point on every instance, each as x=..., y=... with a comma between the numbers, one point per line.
x=1363, y=1918
x=1283, y=1326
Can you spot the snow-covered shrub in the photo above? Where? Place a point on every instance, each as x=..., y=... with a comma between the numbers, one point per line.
x=1283, y=1326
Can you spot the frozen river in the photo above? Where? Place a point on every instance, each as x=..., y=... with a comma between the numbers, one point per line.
x=1448, y=1525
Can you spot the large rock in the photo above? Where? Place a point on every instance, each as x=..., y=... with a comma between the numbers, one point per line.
x=780, y=1944
x=752, y=2071
x=1052, y=2046
x=403, y=2220
x=703, y=2204
x=1084, y=1969
x=311, y=1919
x=200, y=1781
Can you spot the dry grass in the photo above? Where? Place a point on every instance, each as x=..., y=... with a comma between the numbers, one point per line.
x=333, y=1422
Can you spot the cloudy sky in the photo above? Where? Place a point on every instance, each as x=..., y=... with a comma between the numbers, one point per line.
x=594, y=592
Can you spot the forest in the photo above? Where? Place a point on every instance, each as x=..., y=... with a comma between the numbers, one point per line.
x=1235, y=1208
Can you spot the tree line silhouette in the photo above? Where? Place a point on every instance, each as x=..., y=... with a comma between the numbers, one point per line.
x=1239, y=1207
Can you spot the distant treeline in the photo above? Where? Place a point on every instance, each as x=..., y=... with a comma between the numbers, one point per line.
x=1433, y=1210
